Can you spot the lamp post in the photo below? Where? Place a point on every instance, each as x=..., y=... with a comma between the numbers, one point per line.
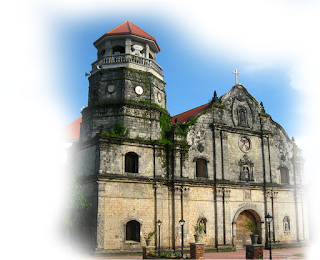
x=159, y=225
x=269, y=220
x=181, y=221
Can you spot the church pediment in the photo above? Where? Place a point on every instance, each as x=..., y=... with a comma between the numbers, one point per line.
x=243, y=108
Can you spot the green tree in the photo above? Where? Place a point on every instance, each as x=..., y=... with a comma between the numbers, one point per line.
x=67, y=201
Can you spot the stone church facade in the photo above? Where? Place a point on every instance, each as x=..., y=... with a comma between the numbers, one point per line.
x=218, y=165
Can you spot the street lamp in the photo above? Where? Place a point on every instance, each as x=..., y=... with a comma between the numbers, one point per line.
x=269, y=220
x=181, y=221
x=159, y=225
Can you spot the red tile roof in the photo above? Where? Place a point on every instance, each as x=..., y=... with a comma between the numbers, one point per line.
x=185, y=116
x=72, y=131
x=125, y=28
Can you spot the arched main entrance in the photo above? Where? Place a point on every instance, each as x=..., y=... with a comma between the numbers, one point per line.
x=242, y=231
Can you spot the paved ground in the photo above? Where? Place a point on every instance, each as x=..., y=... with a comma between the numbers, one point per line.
x=284, y=254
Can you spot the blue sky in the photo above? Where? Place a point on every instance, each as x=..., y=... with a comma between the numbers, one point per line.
x=195, y=62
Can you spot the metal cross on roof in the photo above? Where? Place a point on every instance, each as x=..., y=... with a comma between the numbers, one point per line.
x=236, y=73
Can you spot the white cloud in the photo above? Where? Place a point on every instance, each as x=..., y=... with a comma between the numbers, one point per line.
x=307, y=107
x=308, y=143
x=300, y=80
x=257, y=61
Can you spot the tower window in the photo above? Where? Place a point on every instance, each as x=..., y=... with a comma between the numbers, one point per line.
x=101, y=53
x=133, y=231
x=201, y=168
x=131, y=162
x=118, y=49
x=284, y=175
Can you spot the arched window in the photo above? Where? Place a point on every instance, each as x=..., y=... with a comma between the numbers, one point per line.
x=201, y=168
x=131, y=162
x=101, y=53
x=284, y=175
x=133, y=231
x=286, y=224
x=118, y=49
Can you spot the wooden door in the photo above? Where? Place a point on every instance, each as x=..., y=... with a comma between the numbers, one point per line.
x=243, y=234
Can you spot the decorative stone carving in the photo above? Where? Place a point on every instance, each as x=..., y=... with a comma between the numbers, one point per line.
x=197, y=139
x=241, y=113
x=223, y=192
x=246, y=169
x=247, y=194
x=271, y=194
x=219, y=192
x=136, y=50
x=227, y=193
x=200, y=147
x=244, y=144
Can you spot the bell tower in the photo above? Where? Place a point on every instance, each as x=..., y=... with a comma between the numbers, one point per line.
x=126, y=85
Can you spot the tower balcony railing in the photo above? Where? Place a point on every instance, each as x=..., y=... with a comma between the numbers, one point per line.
x=126, y=58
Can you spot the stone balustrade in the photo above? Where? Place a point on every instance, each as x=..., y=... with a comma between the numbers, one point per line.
x=126, y=58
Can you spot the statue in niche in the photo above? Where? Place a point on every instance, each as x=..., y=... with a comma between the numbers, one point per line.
x=242, y=117
x=245, y=172
x=246, y=169
x=286, y=224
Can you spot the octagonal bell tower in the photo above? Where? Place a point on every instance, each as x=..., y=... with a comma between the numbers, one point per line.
x=126, y=85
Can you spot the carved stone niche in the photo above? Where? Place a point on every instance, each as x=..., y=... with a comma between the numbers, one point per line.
x=241, y=113
x=246, y=169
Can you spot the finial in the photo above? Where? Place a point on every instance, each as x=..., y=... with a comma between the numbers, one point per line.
x=215, y=97
x=262, y=107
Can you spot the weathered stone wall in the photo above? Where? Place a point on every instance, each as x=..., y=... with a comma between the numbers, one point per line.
x=166, y=187
x=151, y=159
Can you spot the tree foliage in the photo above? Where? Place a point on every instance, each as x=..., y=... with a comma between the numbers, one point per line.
x=67, y=201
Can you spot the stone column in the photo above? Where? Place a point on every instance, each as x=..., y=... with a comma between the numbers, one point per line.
x=254, y=251
x=227, y=217
x=101, y=215
x=219, y=217
x=196, y=250
x=128, y=46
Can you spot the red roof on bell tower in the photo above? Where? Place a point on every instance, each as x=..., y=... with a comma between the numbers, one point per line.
x=127, y=28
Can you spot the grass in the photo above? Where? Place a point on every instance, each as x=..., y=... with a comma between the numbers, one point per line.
x=299, y=255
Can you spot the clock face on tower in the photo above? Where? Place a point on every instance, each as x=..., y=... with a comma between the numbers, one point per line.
x=244, y=144
x=138, y=90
